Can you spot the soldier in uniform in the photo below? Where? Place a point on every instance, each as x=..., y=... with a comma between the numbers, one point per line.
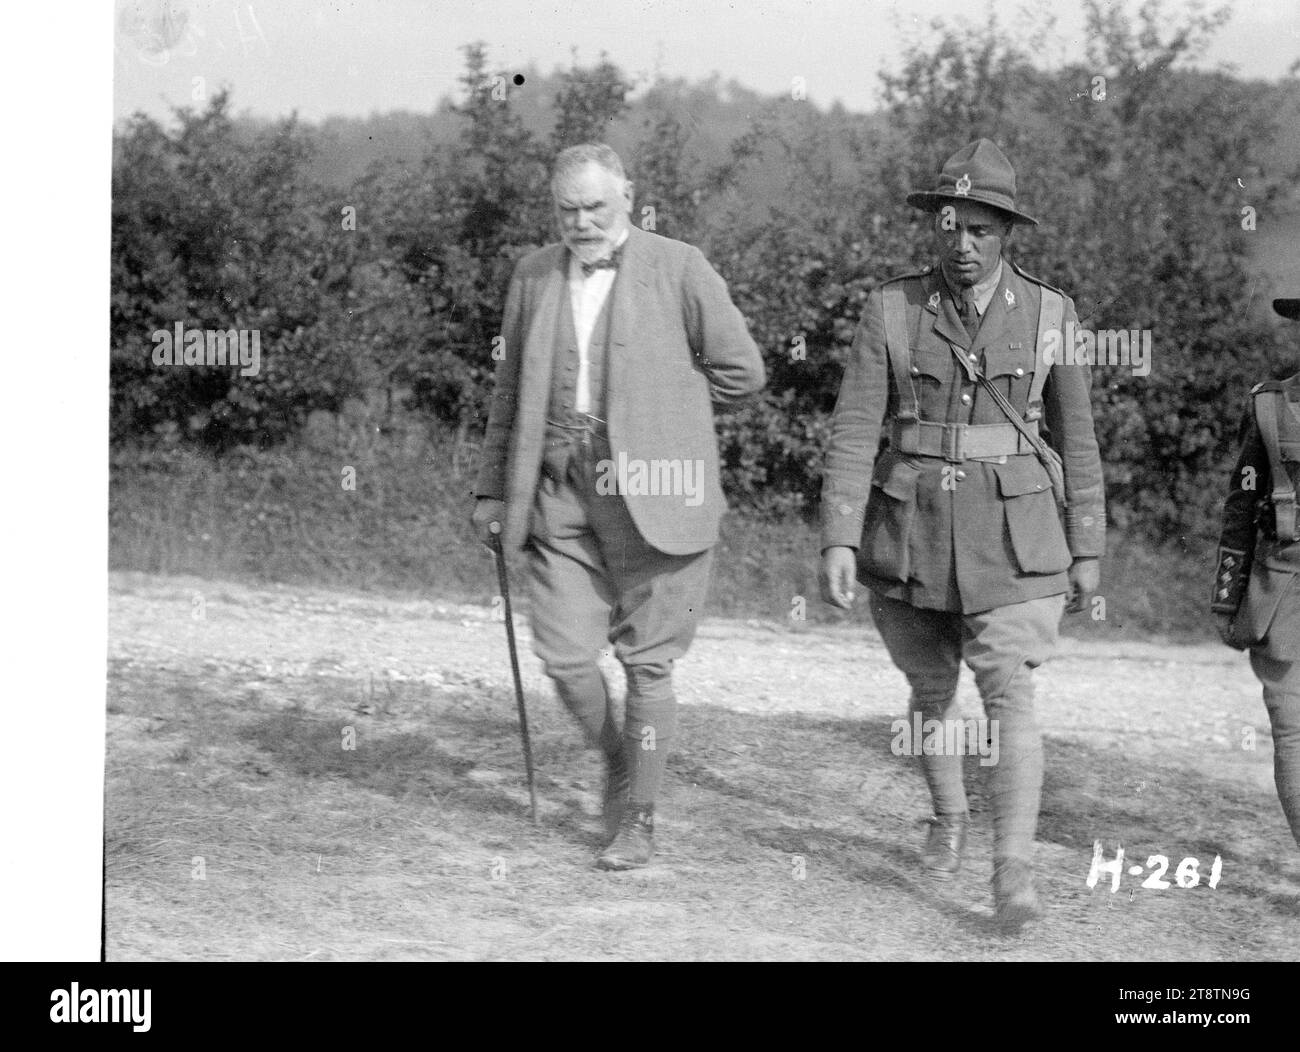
x=1256, y=598
x=954, y=525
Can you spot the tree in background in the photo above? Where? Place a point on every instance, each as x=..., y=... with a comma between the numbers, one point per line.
x=588, y=104
x=1132, y=165
x=454, y=226
x=217, y=230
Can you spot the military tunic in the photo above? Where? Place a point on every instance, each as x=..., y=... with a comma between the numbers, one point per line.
x=957, y=532
x=1250, y=551
x=1257, y=581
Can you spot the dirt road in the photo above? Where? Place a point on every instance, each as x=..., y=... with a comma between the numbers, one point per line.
x=304, y=774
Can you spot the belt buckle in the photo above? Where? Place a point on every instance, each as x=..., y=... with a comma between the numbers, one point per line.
x=954, y=442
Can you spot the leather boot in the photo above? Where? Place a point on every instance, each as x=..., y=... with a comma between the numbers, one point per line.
x=1015, y=900
x=944, y=845
x=618, y=779
x=634, y=844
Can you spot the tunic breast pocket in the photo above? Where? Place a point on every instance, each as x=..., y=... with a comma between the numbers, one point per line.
x=1033, y=522
x=1011, y=368
x=932, y=373
x=891, y=513
x=931, y=364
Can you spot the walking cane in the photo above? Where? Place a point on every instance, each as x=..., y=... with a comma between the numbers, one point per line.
x=495, y=528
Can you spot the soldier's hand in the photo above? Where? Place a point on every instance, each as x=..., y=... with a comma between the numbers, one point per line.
x=487, y=511
x=1085, y=579
x=1223, y=622
x=837, y=575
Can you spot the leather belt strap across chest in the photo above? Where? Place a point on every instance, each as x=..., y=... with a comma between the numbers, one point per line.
x=910, y=434
x=1269, y=405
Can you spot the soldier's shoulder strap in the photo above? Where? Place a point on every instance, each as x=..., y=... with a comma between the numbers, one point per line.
x=894, y=298
x=1031, y=277
x=1269, y=400
x=916, y=275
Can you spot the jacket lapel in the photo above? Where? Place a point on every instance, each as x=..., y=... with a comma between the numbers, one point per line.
x=543, y=332
x=947, y=322
x=1001, y=313
x=630, y=288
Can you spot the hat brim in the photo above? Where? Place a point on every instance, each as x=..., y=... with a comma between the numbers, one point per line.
x=1288, y=308
x=933, y=200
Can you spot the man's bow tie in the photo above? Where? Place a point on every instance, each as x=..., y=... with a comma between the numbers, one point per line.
x=608, y=263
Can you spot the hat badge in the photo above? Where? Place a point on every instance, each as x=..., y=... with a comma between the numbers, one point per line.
x=963, y=185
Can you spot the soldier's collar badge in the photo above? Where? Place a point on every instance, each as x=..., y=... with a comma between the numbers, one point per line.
x=933, y=303
x=1011, y=298
x=963, y=185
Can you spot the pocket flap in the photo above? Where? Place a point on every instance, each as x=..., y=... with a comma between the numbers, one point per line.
x=1021, y=475
x=933, y=361
x=1005, y=361
x=897, y=478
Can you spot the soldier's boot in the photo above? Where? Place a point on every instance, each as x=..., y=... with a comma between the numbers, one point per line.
x=1015, y=785
x=1281, y=682
x=618, y=779
x=1014, y=895
x=946, y=840
x=944, y=845
x=635, y=843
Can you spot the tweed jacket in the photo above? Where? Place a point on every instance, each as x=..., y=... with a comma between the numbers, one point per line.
x=677, y=346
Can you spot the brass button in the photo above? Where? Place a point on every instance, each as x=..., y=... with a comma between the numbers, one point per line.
x=916, y=371
x=974, y=358
x=965, y=399
x=1020, y=372
x=960, y=475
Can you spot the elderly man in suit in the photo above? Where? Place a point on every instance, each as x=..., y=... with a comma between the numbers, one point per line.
x=601, y=461
x=1256, y=597
x=954, y=527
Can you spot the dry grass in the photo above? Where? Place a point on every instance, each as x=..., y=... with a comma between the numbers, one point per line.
x=416, y=844
x=283, y=516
